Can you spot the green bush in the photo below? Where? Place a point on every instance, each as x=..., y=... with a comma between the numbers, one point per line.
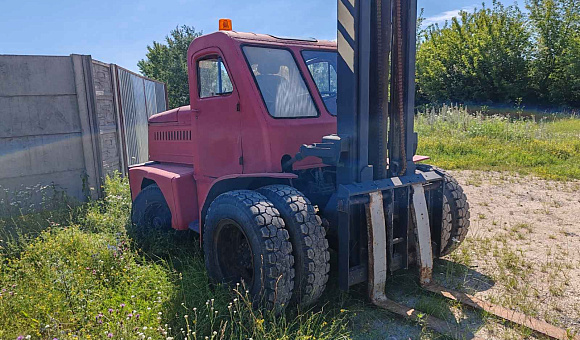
x=27, y=211
x=110, y=215
x=479, y=57
x=500, y=55
x=71, y=283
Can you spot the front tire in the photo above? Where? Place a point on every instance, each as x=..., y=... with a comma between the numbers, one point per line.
x=244, y=239
x=308, y=239
x=455, y=212
x=151, y=222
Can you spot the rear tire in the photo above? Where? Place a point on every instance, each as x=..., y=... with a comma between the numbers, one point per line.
x=308, y=239
x=455, y=212
x=244, y=239
x=150, y=210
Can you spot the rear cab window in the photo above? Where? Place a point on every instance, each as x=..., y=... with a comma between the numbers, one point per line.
x=280, y=82
x=213, y=78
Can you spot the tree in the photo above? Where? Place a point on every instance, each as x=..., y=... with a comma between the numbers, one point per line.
x=480, y=57
x=556, y=35
x=168, y=63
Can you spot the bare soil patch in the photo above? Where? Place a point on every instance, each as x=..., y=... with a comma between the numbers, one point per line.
x=525, y=236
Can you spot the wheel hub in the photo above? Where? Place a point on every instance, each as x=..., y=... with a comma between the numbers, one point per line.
x=157, y=222
x=234, y=253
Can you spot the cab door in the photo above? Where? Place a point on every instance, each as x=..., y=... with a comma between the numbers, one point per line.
x=216, y=110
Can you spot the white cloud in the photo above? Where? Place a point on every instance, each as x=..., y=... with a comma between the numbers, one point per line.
x=445, y=16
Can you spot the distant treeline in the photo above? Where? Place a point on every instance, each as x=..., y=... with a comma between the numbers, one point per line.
x=502, y=55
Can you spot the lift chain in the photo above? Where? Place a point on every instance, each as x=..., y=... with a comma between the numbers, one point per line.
x=399, y=82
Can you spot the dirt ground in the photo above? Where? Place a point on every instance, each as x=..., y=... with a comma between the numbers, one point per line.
x=525, y=235
x=522, y=252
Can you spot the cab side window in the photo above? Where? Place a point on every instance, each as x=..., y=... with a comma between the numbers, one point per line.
x=213, y=78
x=322, y=67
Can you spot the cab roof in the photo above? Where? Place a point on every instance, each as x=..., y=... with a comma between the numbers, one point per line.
x=247, y=37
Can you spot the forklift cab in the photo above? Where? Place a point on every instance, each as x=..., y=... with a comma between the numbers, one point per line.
x=257, y=98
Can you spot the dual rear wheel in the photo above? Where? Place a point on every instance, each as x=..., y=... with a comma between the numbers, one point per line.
x=272, y=240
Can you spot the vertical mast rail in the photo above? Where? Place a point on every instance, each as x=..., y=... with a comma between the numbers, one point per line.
x=402, y=138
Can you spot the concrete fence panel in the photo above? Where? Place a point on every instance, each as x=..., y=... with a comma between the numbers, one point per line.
x=64, y=120
x=40, y=129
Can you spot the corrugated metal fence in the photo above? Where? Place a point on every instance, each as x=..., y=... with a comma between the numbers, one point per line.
x=139, y=99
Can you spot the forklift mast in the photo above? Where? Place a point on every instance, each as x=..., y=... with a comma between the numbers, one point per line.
x=371, y=35
x=375, y=144
x=376, y=138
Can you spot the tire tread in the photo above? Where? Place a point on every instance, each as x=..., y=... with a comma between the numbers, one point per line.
x=455, y=213
x=312, y=264
x=277, y=268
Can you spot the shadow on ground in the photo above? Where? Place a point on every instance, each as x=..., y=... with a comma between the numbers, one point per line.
x=403, y=287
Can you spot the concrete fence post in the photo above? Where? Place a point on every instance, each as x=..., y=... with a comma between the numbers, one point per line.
x=82, y=67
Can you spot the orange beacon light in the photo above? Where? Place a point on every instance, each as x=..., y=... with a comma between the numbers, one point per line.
x=225, y=24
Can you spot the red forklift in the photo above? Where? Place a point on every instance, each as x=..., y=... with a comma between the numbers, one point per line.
x=290, y=147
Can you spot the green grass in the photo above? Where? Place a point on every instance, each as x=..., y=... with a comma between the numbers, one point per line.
x=83, y=277
x=455, y=139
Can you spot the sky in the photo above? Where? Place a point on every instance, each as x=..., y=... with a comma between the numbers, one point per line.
x=118, y=31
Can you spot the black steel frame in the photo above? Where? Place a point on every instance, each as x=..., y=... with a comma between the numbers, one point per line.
x=396, y=192
x=370, y=34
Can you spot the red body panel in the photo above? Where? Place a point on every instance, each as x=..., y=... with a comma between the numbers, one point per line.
x=225, y=137
x=220, y=134
x=165, y=117
x=171, y=136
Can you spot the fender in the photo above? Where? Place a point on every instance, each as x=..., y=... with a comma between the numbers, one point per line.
x=208, y=188
x=177, y=185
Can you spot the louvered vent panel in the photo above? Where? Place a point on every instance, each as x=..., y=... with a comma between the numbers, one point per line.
x=177, y=135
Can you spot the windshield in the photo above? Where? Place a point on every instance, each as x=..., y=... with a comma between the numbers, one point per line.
x=280, y=82
x=322, y=67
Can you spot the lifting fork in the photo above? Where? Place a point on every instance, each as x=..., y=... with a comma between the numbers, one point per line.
x=377, y=266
